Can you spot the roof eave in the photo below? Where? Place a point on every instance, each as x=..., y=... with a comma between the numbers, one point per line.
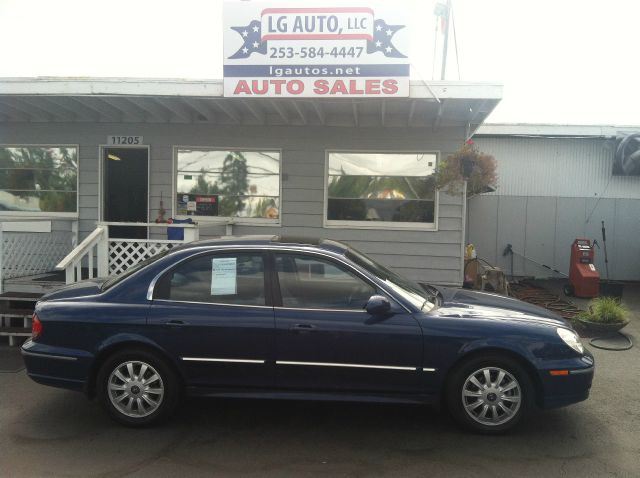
x=435, y=104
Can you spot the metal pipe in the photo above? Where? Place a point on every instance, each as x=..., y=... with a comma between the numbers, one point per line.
x=606, y=257
x=445, y=45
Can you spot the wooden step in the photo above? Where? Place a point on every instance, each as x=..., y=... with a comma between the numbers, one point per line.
x=9, y=322
x=14, y=312
x=15, y=334
x=18, y=300
x=17, y=331
x=17, y=304
x=20, y=296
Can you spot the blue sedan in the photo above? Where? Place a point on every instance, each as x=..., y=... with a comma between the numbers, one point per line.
x=272, y=317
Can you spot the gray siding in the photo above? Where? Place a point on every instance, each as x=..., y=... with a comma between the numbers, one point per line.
x=544, y=228
x=427, y=255
x=557, y=167
x=551, y=191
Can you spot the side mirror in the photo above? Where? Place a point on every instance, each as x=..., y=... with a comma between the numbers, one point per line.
x=378, y=305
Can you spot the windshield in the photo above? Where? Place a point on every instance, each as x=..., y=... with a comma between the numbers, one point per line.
x=403, y=286
x=113, y=280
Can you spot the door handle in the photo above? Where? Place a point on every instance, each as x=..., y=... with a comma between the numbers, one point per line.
x=176, y=322
x=302, y=328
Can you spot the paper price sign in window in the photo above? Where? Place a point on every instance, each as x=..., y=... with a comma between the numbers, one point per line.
x=223, y=276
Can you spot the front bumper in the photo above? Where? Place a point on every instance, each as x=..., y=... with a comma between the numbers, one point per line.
x=560, y=390
x=55, y=366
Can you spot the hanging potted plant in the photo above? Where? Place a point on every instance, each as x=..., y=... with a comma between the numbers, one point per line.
x=605, y=315
x=467, y=165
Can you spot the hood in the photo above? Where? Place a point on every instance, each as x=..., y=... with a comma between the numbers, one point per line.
x=466, y=303
x=79, y=289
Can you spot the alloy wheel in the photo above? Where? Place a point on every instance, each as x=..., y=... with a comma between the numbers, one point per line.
x=135, y=389
x=491, y=396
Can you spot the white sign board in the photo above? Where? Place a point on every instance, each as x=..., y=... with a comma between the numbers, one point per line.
x=305, y=50
x=223, y=276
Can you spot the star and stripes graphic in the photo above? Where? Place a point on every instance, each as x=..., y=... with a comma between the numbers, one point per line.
x=381, y=41
x=252, y=43
x=382, y=35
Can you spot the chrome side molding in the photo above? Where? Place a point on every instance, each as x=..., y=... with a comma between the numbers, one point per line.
x=226, y=360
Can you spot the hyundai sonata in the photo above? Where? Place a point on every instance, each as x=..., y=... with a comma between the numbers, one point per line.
x=271, y=317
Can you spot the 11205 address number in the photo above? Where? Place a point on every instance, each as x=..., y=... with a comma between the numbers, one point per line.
x=124, y=140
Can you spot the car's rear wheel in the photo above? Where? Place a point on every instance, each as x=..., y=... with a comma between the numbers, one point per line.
x=489, y=394
x=137, y=388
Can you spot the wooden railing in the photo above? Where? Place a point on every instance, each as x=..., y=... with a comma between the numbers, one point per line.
x=114, y=256
x=92, y=246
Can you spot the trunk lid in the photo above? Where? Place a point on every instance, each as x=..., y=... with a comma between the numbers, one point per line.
x=79, y=289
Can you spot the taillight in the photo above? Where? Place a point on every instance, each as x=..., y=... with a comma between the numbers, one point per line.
x=36, y=326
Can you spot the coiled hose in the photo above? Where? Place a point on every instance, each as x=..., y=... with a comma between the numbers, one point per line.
x=532, y=294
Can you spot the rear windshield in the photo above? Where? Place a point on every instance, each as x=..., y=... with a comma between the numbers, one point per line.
x=115, y=279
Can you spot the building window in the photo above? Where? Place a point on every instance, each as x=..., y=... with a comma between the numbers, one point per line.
x=394, y=189
x=215, y=183
x=39, y=179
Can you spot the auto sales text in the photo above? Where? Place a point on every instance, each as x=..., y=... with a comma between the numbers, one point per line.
x=309, y=87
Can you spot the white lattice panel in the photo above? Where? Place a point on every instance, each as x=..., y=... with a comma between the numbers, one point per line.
x=126, y=253
x=28, y=253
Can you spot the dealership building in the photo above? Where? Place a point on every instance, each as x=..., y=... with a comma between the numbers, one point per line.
x=83, y=159
x=97, y=166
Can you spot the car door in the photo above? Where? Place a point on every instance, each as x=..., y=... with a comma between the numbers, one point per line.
x=325, y=340
x=213, y=314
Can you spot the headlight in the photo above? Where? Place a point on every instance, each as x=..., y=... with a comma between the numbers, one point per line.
x=571, y=339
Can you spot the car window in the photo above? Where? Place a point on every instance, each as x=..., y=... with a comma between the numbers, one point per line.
x=411, y=291
x=313, y=283
x=216, y=278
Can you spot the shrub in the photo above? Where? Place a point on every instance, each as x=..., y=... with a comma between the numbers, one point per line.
x=605, y=310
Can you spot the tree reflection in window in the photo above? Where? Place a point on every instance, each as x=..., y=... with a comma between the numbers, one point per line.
x=381, y=187
x=246, y=183
x=38, y=179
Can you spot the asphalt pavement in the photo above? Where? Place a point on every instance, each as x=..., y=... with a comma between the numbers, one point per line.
x=50, y=432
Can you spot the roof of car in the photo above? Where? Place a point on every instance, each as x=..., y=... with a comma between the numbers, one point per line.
x=262, y=240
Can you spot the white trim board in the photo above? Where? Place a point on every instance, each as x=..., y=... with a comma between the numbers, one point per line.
x=26, y=226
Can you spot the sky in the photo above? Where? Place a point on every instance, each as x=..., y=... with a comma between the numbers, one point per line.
x=560, y=61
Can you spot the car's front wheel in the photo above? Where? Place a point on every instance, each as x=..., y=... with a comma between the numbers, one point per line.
x=489, y=394
x=137, y=388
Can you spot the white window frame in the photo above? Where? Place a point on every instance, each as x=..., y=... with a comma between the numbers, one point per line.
x=41, y=214
x=386, y=225
x=241, y=221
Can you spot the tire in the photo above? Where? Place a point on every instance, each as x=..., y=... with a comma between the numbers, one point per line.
x=503, y=403
x=138, y=388
x=568, y=290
